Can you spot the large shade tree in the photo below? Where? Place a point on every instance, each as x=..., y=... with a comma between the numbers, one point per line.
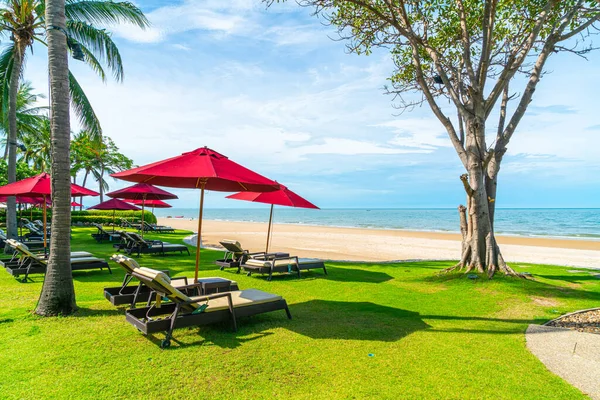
x=483, y=57
x=23, y=22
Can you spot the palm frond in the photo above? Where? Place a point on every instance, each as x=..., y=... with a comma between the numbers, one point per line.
x=99, y=43
x=6, y=64
x=94, y=64
x=100, y=12
x=83, y=108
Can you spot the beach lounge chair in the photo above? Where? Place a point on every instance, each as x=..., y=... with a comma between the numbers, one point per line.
x=135, y=244
x=283, y=264
x=157, y=228
x=132, y=294
x=30, y=263
x=32, y=244
x=103, y=234
x=184, y=311
x=236, y=255
x=35, y=232
x=127, y=224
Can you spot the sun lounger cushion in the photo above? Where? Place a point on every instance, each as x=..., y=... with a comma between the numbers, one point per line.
x=85, y=260
x=240, y=298
x=279, y=263
x=78, y=254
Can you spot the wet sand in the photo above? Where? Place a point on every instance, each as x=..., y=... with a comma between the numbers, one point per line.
x=359, y=244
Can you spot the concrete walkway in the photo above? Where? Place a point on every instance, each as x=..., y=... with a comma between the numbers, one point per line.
x=572, y=355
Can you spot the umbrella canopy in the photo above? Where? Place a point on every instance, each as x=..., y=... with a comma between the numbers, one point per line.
x=152, y=203
x=203, y=169
x=40, y=185
x=281, y=197
x=26, y=200
x=114, y=204
x=143, y=192
x=196, y=168
x=75, y=204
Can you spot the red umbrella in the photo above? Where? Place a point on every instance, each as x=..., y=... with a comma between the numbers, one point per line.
x=281, y=197
x=40, y=186
x=143, y=192
x=75, y=204
x=114, y=204
x=202, y=169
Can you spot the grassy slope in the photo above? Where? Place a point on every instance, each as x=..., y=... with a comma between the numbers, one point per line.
x=430, y=336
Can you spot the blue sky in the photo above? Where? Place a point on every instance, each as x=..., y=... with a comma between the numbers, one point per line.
x=272, y=91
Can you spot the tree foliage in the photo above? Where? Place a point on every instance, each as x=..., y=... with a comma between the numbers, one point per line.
x=467, y=53
x=23, y=21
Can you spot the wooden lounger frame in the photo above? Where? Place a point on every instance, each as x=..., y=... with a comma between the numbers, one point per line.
x=182, y=313
x=294, y=266
x=173, y=317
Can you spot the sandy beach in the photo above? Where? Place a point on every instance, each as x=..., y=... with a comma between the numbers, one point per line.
x=358, y=244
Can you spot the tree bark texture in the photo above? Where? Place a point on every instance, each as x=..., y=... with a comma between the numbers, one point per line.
x=58, y=294
x=15, y=76
x=480, y=251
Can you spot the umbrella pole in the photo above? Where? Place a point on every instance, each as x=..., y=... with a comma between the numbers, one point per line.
x=20, y=222
x=143, y=204
x=113, y=221
x=198, y=237
x=269, y=230
x=45, y=229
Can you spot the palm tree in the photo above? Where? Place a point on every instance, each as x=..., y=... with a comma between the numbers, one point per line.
x=29, y=116
x=97, y=158
x=58, y=293
x=24, y=21
x=38, y=146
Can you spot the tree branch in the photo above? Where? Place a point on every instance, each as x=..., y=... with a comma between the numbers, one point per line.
x=517, y=58
x=466, y=44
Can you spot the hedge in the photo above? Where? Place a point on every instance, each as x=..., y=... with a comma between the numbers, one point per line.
x=95, y=216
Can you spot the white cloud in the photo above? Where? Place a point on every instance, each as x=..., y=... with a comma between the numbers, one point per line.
x=419, y=133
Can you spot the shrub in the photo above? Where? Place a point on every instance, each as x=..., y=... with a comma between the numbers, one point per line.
x=91, y=216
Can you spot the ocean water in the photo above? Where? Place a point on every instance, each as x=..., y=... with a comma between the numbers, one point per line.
x=576, y=223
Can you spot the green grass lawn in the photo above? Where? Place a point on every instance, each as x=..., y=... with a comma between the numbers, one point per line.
x=365, y=331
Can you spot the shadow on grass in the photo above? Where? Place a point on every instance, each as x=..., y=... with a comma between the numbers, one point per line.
x=220, y=335
x=321, y=319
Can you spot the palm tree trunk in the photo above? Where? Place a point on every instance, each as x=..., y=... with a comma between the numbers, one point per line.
x=58, y=293
x=11, y=205
x=101, y=184
x=87, y=172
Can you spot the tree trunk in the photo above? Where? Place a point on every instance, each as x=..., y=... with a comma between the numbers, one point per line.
x=480, y=252
x=101, y=181
x=87, y=172
x=58, y=294
x=11, y=204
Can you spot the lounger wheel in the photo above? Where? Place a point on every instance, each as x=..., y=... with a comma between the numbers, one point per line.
x=165, y=344
x=222, y=268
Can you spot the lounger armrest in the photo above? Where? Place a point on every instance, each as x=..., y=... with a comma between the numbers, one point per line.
x=190, y=286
